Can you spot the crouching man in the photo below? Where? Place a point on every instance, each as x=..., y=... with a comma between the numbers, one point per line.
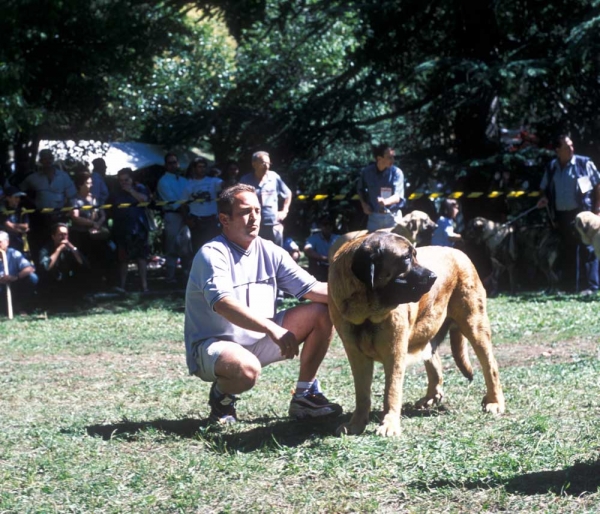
x=231, y=328
x=21, y=276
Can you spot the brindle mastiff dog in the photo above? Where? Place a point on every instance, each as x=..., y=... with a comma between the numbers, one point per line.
x=389, y=307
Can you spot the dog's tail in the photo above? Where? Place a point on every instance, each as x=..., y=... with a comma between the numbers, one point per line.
x=458, y=344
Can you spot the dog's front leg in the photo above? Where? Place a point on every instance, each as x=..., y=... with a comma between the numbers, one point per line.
x=362, y=371
x=394, y=366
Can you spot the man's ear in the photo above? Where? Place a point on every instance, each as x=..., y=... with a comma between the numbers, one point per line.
x=223, y=219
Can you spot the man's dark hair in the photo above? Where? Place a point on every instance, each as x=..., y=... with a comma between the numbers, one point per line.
x=446, y=207
x=168, y=155
x=379, y=150
x=99, y=164
x=125, y=171
x=558, y=140
x=46, y=152
x=56, y=226
x=227, y=197
x=81, y=178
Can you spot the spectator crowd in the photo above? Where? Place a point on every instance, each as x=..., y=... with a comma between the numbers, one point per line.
x=65, y=235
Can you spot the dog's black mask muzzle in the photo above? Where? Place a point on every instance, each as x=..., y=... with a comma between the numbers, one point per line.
x=409, y=287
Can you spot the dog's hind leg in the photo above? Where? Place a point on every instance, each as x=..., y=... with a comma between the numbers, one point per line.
x=477, y=330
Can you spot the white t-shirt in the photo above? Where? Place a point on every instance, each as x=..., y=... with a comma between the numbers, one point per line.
x=222, y=268
x=206, y=189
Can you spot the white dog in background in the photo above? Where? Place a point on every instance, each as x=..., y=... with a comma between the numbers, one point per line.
x=588, y=227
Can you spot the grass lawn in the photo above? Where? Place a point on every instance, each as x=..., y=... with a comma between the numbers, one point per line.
x=99, y=415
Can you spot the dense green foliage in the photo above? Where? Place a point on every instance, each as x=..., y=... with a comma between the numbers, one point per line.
x=315, y=82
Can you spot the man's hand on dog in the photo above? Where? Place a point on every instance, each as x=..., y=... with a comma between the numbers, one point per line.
x=287, y=342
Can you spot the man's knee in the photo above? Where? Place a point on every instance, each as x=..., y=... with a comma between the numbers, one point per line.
x=322, y=318
x=244, y=368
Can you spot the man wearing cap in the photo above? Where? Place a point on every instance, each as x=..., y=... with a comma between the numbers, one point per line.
x=12, y=219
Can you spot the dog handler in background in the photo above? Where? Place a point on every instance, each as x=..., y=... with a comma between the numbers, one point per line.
x=570, y=185
x=231, y=328
x=381, y=189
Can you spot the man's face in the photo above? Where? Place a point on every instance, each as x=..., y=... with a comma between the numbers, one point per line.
x=199, y=170
x=61, y=234
x=387, y=159
x=262, y=164
x=4, y=244
x=46, y=161
x=13, y=201
x=172, y=164
x=125, y=181
x=565, y=151
x=243, y=225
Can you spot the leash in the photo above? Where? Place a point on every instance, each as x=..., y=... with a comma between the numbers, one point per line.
x=525, y=213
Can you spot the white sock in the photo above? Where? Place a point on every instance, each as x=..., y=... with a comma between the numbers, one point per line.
x=302, y=387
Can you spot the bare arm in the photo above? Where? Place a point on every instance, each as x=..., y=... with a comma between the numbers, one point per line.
x=311, y=253
x=240, y=315
x=318, y=293
x=282, y=214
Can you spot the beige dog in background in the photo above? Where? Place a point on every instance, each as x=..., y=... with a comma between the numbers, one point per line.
x=414, y=226
x=389, y=307
x=587, y=225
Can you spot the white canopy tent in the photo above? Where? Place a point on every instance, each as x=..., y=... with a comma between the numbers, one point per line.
x=117, y=155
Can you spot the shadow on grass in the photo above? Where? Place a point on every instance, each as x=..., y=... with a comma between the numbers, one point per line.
x=274, y=432
x=582, y=477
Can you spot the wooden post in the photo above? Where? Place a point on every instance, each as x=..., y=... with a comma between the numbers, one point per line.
x=8, y=292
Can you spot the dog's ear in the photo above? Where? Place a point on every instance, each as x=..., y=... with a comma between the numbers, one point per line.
x=363, y=264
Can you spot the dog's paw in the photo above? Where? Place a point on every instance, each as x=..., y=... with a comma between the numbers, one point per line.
x=495, y=408
x=390, y=427
x=429, y=401
x=350, y=429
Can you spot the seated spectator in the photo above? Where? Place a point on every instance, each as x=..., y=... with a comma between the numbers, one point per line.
x=202, y=212
x=62, y=266
x=13, y=220
x=88, y=231
x=130, y=228
x=444, y=234
x=291, y=247
x=317, y=249
x=21, y=276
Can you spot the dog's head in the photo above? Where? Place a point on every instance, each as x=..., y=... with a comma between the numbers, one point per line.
x=584, y=224
x=420, y=226
x=386, y=263
x=478, y=229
